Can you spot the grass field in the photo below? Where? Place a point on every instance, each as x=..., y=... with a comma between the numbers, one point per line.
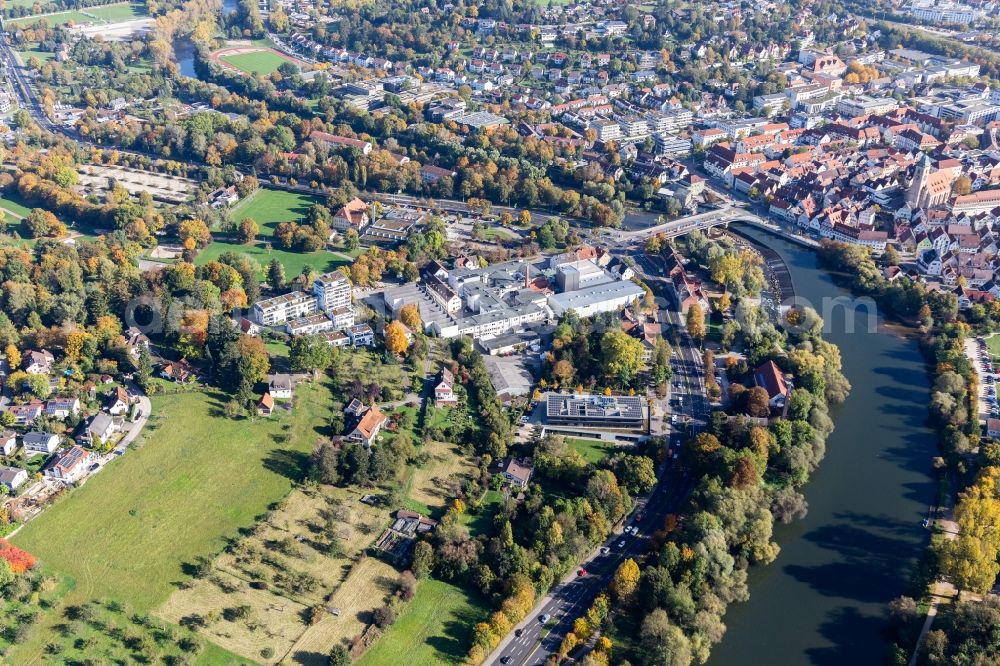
x=42, y=56
x=287, y=545
x=90, y=15
x=131, y=531
x=592, y=450
x=257, y=62
x=268, y=208
x=441, y=477
x=434, y=628
x=993, y=345
x=366, y=588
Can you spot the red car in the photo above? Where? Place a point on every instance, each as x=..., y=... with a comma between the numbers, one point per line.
x=581, y=572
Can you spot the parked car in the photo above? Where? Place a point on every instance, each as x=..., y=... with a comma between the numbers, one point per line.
x=621, y=544
x=544, y=617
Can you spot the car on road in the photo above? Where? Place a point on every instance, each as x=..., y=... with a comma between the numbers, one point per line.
x=518, y=632
x=504, y=660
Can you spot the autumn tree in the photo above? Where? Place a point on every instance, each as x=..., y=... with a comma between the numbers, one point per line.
x=696, y=322
x=194, y=233
x=395, y=338
x=626, y=579
x=13, y=356
x=757, y=402
x=970, y=559
x=409, y=314
x=247, y=231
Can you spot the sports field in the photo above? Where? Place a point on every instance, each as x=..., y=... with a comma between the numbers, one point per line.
x=256, y=60
x=132, y=531
x=87, y=16
x=267, y=208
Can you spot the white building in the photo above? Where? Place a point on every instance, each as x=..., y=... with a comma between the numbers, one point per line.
x=332, y=291
x=592, y=300
x=278, y=310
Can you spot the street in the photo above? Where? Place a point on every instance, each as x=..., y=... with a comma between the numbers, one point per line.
x=531, y=641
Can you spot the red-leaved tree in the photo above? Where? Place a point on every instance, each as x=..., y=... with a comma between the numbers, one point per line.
x=19, y=560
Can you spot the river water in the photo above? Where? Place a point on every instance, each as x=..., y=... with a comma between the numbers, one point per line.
x=823, y=600
x=184, y=48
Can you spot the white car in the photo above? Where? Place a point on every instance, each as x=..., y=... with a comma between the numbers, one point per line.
x=621, y=544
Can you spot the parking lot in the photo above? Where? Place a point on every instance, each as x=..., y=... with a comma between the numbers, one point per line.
x=978, y=354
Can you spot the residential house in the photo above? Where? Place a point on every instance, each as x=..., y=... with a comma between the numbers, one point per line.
x=38, y=362
x=26, y=414
x=118, y=402
x=69, y=465
x=177, y=371
x=12, y=477
x=40, y=442
x=368, y=426
x=102, y=426
x=135, y=340
x=361, y=335
x=769, y=377
x=61, y=408
x=281, y=386
x=517, y=471
x=352, y=215
x=8, y=442
x=444, y=390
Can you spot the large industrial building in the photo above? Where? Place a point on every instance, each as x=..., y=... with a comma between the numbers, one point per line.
x=496, y=300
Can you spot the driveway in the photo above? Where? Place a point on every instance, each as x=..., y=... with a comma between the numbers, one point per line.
x=145, y=408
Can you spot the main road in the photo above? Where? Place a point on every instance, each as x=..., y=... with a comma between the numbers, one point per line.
x=531, y=642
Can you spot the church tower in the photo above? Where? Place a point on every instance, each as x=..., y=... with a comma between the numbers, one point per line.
x=916, y=194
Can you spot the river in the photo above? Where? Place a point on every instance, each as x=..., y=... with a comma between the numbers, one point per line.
x=184, y=47
x=823, y=600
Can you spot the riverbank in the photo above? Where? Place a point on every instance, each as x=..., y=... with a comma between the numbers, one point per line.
x=854, y=551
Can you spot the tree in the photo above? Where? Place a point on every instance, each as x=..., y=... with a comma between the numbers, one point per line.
x=41, y=223
x=962, y=185
x=395, y=338
x=626, y=579
x=248, y=231
x=696, y=322
x=423, y=559
x=757, y=402
x=250, y=364
x=636, y=473
x=194, y=232
x=351, y=239
x=275, y=275
x=309, y=353
x=622, y=355
x=339, y=656
x=13, y=357
x=663, y=643
x=409, y=314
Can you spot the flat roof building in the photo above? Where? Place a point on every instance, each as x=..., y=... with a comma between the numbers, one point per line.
x=595, y=411
x=589, y=301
